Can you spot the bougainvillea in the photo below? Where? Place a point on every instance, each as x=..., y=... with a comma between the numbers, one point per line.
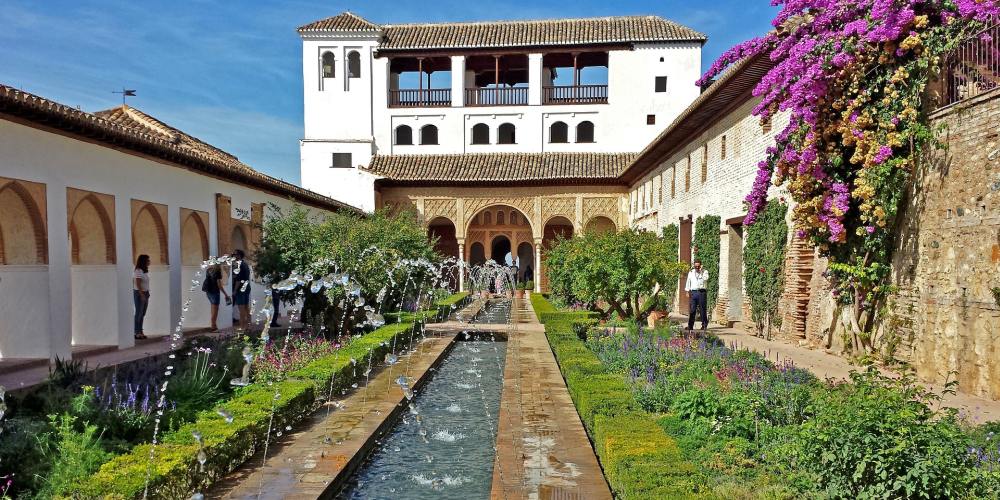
x=850, y=76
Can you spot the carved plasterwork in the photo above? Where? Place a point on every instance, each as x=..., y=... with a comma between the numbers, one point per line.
x=606, y=206
x=441, y=207
x=553, y=207
x=524, y=204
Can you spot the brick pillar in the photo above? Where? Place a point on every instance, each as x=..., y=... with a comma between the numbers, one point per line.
x=256, y=226
x=224, y=222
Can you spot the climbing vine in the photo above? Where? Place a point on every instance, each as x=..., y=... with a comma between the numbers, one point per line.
x=706, y=247
x=851, y=76
x=763, y=262
x=671, y=239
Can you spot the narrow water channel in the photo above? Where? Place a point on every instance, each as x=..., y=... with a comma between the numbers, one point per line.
x=445, y=449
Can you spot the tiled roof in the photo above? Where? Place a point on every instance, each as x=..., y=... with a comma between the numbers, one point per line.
x=531, y=33
x=500, y=168
x=138, y=121
x=347, y=21
x=129, y=129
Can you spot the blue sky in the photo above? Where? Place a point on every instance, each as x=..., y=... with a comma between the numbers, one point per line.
x=229, y=72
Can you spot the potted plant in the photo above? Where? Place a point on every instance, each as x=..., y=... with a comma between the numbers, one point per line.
x=661, y=309
x=529, y=286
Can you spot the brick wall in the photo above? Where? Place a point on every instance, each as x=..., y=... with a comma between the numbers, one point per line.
x=949, y=253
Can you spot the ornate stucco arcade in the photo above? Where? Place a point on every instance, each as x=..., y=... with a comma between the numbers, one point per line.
x=470, y=221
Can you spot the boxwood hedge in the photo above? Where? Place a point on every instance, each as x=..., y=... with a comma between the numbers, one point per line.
x=175, y=471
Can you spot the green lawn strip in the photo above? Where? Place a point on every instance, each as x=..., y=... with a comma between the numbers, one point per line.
x=639, y=459
x=546, y=311
x=176, y=471
x=446, y=305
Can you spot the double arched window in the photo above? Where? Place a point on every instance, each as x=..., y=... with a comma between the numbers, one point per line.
x=353, y=64
x=329, y=65
x=505, y=134
x=558, y=133
x=428, y=134
x=404, y=135
x=480, y=133
x=585, y=132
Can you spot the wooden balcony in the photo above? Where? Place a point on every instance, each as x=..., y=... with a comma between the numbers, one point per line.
x=499, y=96
x=419, y=98
x=575, y=94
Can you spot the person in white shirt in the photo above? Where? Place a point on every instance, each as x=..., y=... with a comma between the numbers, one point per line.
x=696, y=287
x=140, y=293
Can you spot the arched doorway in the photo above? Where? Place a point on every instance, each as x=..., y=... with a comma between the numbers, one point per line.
x=526, y=267
x=555, y=229
x=441, y=230
x=600, y=224
x=477, y=254
x=500, y=248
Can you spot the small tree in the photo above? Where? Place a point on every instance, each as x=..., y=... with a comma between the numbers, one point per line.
x=381, y=252
x=623, y=270
x=763, y=262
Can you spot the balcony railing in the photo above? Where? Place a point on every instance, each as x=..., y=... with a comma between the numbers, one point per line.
x=972, y=68
x=419, y=98
x=575, y=94
x=499, y=96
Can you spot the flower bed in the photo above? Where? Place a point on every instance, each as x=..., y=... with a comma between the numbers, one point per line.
x=639, y=459
x=229, y=442
x=760, y=429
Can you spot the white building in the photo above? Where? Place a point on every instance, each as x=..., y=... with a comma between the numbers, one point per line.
x=599, y=85
x=83, y=194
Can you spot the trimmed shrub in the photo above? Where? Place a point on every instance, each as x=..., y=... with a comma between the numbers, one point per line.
x=175, y=471
x=546, y=312
x=446, y=305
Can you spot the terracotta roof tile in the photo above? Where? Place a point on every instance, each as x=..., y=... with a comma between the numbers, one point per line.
x=347, y=21
x=478, y=168
x=530, y=33
x=127, y=128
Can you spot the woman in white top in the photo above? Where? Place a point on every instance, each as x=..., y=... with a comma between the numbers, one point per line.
x=140, y=292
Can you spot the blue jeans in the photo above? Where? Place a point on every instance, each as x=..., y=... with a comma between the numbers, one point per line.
x=140, y=308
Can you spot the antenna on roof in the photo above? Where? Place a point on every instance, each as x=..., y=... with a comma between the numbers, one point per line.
x=125, y=93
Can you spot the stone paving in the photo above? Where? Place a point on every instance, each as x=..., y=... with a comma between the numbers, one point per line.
x=542, y=448
x=309, y=459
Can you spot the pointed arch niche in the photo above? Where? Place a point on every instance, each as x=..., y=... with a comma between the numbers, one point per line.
x=149, y=236
x=194, y=251
x=93, y=256
x=24, y=281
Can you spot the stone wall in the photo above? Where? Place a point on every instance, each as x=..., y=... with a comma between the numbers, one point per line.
x=949, y=253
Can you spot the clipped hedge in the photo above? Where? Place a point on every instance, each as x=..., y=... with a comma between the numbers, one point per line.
x=546, y=312
x=176, y=472
x=639, y=459
x=446, y=305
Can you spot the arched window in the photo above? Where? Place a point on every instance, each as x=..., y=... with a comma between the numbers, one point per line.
x=404, y=135
x=329, y=65
x=500, y=217
x=505, y=134
x=480, y=133
x=585, y=132
x=353, y=64
x=513, y=218
x=558, y=133
x=428, y=134
x=487, y=218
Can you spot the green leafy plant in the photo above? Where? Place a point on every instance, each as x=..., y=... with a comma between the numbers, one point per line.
x=196, y=386
x=764, y=265
x=74, y=455
x=707, y=244
x=611, y=272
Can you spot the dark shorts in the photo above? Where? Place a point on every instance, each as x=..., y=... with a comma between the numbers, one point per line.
x=214, y=297
x=242, y=298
